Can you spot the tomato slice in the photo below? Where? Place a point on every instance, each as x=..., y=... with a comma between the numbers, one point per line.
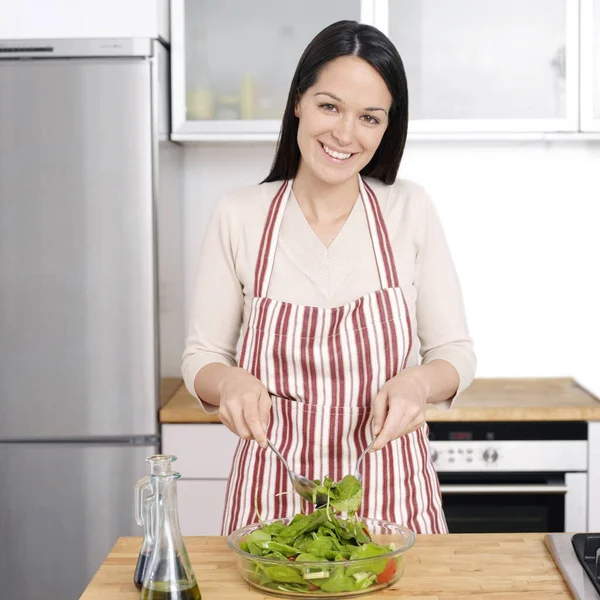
x=390, y=570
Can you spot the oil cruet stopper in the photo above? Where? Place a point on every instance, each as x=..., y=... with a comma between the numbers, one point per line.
x=168, y=574
x=159, y=464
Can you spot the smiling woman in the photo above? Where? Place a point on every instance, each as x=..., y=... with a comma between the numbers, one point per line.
x=354, y=73
x=339, y=133
x=327, y=309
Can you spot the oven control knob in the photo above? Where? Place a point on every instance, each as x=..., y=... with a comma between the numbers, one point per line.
x=490, y=455
x=434, y=456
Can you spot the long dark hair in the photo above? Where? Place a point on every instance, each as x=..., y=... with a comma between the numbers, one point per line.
x=348, y=38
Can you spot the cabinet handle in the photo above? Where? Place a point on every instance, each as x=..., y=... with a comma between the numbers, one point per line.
x=503, y=489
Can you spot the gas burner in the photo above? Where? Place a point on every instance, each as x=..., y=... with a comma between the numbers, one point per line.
x=587, y=549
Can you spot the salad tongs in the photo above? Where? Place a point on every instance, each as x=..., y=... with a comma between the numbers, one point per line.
x=302, y=485
x=357, y=473
x=305, y=487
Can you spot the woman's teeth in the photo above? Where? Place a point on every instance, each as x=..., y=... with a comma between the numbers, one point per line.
x=338, y=155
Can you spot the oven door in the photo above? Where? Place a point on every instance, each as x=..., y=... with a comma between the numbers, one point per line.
x=514, y=502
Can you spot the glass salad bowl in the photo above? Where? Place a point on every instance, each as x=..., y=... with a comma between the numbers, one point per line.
x=355, y=571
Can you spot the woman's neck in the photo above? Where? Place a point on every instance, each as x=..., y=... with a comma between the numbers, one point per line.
x=322, y=202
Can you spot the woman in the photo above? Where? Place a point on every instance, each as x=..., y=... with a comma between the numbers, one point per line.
x=330, y=279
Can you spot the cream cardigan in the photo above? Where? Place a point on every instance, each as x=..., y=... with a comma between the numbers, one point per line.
x=306, y=272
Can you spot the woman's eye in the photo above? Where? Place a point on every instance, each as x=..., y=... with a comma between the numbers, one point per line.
x=329, y=107
x=371, y=120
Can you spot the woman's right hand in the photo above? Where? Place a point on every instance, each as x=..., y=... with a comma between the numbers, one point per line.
x=244, y=405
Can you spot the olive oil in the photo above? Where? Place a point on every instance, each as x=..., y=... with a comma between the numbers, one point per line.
x=190, y=593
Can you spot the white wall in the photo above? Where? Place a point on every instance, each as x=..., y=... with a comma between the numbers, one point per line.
x=522, y=220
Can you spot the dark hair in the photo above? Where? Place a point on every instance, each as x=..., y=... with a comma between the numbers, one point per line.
x=348, y=38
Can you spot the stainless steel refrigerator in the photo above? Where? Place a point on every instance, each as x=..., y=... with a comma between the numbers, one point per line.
x=83, y=135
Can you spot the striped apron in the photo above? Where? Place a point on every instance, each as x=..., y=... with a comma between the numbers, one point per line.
x=322, y=368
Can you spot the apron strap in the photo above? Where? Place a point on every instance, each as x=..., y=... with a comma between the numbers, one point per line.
x=379, y=235
x=268, y=243
x=377, y=228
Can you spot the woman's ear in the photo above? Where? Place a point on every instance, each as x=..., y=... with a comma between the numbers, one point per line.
x=297, y=107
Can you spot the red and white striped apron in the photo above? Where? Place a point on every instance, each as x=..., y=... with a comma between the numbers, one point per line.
x=323, y=368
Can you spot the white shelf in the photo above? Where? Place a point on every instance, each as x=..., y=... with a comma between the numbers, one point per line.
x=251, y=138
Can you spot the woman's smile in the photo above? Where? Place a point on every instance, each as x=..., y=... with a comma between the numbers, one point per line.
x=336, y=156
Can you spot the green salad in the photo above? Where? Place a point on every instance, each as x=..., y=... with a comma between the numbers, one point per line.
x=332, y=533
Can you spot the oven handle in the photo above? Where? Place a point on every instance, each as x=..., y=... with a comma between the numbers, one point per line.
x=504, y=489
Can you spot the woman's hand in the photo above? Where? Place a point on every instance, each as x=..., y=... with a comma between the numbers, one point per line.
x=244, y=405
x=399, y=407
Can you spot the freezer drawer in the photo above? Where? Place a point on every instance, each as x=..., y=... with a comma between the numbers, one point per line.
x=62, y=507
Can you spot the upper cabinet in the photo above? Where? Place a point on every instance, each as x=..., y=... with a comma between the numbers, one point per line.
x=489, y=66
x=55, y=19
x=485, y=68
x=232, y=62
x=590, y=65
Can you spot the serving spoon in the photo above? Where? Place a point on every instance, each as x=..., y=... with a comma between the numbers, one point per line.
x=305, y=487
x=302, y=485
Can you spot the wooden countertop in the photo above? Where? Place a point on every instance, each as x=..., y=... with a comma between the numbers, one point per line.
x=438, y=567
x=485, y=400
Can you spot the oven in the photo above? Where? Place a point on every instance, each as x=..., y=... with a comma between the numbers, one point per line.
x=512, y=477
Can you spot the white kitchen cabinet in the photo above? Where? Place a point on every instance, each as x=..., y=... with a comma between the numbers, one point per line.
x=590, y=65
x=32, y=19
x=204, y=454
x=475, y=68
x=489, y=66
x=232, y=61
x=201, y=503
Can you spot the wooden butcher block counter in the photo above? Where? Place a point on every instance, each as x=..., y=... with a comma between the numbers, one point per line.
x=438, y=567
x=485, y=400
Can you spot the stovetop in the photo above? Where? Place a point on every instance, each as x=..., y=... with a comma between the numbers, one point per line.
x=587, y=549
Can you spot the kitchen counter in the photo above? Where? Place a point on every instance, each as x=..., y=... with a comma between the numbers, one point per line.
x=444, y=567
x=549, y=399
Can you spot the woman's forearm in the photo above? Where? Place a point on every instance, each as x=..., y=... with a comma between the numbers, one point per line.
x=438, y=379
x=208, y=380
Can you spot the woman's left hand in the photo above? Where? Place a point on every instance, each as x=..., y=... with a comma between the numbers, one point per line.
x=399, y=407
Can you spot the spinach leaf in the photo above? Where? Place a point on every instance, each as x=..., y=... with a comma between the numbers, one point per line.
x=368, y=551
x=338, y=581
x=347, y=495
x=283, y=548
x=283, y=574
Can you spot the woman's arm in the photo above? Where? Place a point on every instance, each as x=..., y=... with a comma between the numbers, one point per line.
x=209, y=361
x=448, y=361
x=440, y=314
x=216, y=310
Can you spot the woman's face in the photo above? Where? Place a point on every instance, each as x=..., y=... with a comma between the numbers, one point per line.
x=343, y=117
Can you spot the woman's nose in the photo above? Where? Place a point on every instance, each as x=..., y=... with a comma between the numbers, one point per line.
x=344, y=131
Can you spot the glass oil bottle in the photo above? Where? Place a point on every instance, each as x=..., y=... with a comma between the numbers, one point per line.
x=168, y=574
x=144, y=508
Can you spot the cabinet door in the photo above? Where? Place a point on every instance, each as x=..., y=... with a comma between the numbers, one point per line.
x=203, y=451
x=590, y=65
x=201, y=505
x=488, y=66
x=232, y=61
